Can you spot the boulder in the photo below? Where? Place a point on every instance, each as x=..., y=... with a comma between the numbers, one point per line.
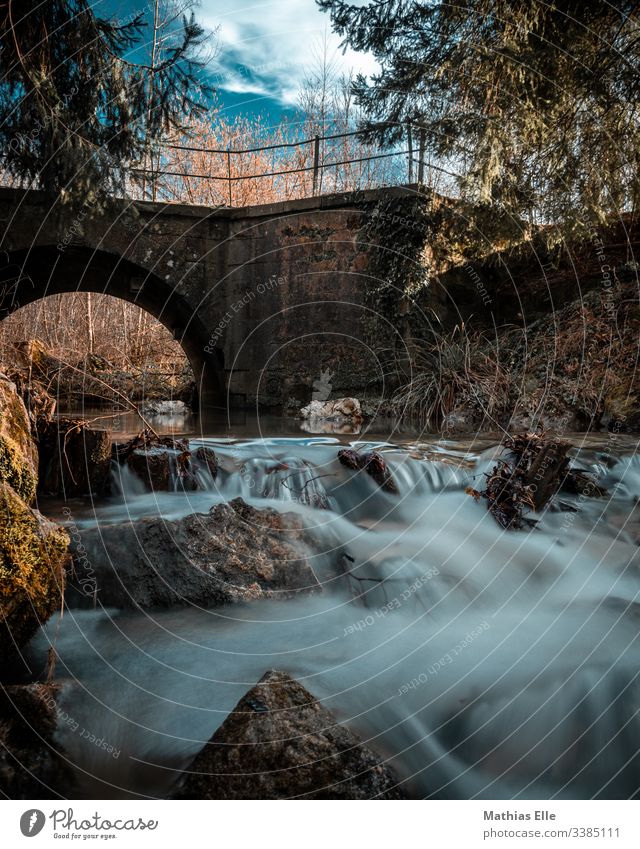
x=75, y=459
x=280, y=743
x=33, y=561
x=33, y=551
x=34, y=357
x=341, y=409
x=39, y=402
x=18, y=455
x=32, y=766
x=165, y=408
x=161, y=462
x=233, y=553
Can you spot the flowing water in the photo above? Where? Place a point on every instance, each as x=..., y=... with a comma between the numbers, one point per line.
x=483, y=663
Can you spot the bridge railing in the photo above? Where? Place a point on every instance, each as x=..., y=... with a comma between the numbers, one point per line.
x=315, y=165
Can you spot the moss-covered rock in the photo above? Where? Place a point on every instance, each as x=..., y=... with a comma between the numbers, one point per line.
x=33, y=550
x=18, y=455
x=33, y=560
x=39, y=402
x=34, y=356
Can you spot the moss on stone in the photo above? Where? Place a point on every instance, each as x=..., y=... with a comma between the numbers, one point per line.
x=33, y=560
x=15, y=470
x=18, y=456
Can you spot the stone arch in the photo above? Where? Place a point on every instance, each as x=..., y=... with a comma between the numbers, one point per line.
x=33, y=273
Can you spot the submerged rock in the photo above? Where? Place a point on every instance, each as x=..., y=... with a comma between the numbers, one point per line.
x=233, y=553
x=75, y=459
x=280, y=743
x=32, y=766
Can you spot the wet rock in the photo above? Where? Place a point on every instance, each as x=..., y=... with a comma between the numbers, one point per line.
x=525, y=480
x=161, y=461
x=32, y=766
x=372, y=463
x=75, y=459
x=280, y=743
x=544, y=463
x=207, y=456
x=233, y=553
x=581, y=482
x=152, y=466
x=342, y=409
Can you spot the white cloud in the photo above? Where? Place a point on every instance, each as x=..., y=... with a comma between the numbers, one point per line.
x=266, y=47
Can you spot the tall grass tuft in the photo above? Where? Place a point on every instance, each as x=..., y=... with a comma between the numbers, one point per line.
x=454, y=372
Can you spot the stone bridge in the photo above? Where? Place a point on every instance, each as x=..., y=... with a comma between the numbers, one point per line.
x=263, y=299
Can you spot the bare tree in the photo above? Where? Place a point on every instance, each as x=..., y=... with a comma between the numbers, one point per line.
x=170, y=21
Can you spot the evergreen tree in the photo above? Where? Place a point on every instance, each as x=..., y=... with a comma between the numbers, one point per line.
x=535, y=104
x=73, y=111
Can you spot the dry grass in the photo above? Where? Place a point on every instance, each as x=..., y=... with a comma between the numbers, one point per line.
x=454, y=372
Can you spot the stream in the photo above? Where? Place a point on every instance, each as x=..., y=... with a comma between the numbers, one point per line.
x=482, y=663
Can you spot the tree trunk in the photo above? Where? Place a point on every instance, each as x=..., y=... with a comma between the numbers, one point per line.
x=90, y=332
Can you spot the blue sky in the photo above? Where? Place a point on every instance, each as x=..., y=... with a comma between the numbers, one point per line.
x=263, y=49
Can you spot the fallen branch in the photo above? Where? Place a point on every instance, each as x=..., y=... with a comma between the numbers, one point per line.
x=534, y=472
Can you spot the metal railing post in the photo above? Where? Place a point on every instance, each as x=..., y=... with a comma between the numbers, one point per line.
x=410, y=144
x=229, y=176
x=421, y=156
x=316, y=163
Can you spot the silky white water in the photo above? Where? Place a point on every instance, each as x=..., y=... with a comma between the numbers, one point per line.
x=483, y=663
